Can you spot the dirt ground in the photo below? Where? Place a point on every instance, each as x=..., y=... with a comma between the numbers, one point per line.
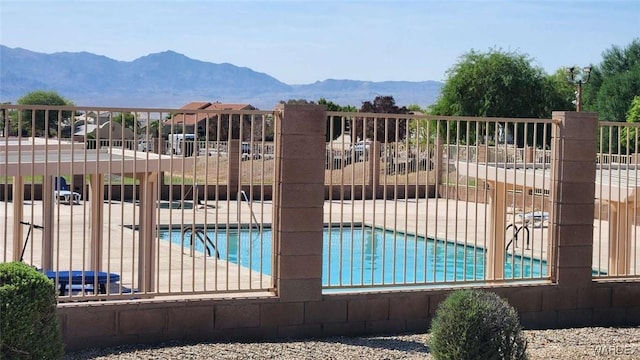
x=212, y=170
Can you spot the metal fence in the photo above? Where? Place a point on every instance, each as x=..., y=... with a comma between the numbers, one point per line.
x=105, y=214
x=616, y=244
x=415, y=201
x=182, y=205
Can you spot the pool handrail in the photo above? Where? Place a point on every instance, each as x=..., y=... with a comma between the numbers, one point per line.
x=246, y=199
x=201, y=235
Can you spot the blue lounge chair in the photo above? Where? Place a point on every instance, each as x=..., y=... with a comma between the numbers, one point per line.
x=61, y=192
x=75, y=280
x=84, y=281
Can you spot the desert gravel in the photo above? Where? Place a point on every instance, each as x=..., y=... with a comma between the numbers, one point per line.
x=580, y=343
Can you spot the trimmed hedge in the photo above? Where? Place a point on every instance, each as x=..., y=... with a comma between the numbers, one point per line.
x=28, y=314
x=474, y=324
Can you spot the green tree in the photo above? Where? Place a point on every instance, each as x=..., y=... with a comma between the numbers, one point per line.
x=494, y=84
x=296, y=102
x=335, y=125
x=384, y=129
x=415, y=108
x=39, y=122
x=154, y=128
x=633, y=116
x=422, y=130
x=629, y=136
x=559, y=96
x=559, y=92
x=128, y=121
x=614, y=82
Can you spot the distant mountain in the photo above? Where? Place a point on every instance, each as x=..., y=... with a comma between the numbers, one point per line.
x=169, y=79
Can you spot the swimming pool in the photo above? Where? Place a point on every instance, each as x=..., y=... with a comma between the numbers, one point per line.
x=367, y=256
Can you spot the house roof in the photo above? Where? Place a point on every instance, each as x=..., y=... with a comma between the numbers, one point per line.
x=80, y=130
x=194, y=118
x=197, y=105
x=221, y=106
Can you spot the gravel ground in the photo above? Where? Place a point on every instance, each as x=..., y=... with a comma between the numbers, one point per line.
x=583, y=343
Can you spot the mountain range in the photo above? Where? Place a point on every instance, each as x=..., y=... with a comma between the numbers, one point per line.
x=169, y=80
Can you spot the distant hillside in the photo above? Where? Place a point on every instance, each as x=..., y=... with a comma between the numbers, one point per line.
x=169, y=79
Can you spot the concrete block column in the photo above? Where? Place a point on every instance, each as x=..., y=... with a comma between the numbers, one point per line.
x=298, y=201
x=573, y=175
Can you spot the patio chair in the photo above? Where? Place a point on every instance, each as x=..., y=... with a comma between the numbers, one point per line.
x=61, y=192
x=536, y=219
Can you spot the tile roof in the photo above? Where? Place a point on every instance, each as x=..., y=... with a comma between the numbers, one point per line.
x=194, y=118
x=197, y=105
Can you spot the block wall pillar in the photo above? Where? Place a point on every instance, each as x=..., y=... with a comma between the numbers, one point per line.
x=573, y=175
x=298, y=201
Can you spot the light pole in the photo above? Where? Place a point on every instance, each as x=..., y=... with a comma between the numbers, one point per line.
x=579, y=77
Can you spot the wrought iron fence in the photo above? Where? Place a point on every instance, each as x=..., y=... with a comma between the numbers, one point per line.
x=616, y=244
x=417, y=200
x=182, y=205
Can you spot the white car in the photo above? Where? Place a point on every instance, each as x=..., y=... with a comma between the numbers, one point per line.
x=361, y=150
x=144, y=145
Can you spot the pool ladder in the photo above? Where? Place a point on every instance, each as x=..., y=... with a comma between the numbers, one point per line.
x=516, y=230
x=200, y=234
x=253, y=216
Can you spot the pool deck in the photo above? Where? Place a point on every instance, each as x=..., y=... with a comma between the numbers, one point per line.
x=181, y=272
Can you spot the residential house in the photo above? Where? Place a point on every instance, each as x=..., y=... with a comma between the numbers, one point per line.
x=206, y=118
x=101, y=133
x=93, y=117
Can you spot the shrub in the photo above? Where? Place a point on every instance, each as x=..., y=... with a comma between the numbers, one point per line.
x=29, y=327
x=473, y=324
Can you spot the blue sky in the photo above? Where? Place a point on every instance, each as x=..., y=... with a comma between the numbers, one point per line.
x=304, y=41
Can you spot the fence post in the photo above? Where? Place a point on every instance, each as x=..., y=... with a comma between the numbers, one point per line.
x=18, y=212
x=482, y=153
x=147, y=248
x=77, y=184
x=529, y=152
x=233, y=168
x=573, y=175
x=439, y=166
x=298, y=201
x=374, y=167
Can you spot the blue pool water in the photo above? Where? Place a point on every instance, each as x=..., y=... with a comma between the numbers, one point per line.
x=365, y=256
